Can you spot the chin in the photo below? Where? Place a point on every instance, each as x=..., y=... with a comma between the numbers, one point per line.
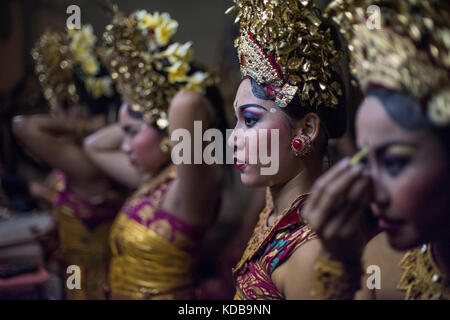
x=403, y=241
x=255, y=180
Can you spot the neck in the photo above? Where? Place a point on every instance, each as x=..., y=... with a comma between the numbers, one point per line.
x=148, y=176
x=284, y=195
x=441, y=253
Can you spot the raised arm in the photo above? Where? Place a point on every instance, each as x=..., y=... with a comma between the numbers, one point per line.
x=104, y=149
x=41, y=135
x=195, y=181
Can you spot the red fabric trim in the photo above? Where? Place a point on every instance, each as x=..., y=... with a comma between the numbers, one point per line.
x=290, y=219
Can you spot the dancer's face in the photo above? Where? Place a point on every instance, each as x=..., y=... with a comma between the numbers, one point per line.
x=410, y=170
x=252, y=115
x=142, y=143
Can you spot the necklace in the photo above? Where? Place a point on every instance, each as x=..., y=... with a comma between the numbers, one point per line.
x=421, y=279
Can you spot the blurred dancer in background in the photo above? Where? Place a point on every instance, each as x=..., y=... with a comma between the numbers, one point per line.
x=80, y=93
x=156, y=238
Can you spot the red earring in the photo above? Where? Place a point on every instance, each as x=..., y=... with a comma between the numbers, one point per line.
x=301, y=145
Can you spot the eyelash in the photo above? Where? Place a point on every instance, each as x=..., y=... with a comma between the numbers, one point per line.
x=252, y=118
x=395, y=164
x=130, y=132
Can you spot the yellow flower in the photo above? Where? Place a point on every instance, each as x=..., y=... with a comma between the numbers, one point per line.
x=82, y=38
x=82, y=46
x=79, y=52
x=177, y=71
x=89, y=65
x=148, y=21
x=439, y=109
x=176, y=51
x=98, y=87
x=165, y=31
x=197, y=82
x=87, y=35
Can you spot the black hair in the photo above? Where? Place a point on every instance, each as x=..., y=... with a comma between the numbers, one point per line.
x=333, y=119
x=403, y=109
x=95, y=106
x=408, y=113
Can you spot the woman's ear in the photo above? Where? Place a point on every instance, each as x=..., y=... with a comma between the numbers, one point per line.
x=309, y=125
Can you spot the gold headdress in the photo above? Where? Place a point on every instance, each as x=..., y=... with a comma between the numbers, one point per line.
x=284, y=46
x=410, y=52
x=53, y=66
x=139, y=52
x=57, y=55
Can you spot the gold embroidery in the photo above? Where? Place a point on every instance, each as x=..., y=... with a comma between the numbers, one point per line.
x=421, y=279
x=88, y=249
x=163, y=228
x=146, y=213
x=145, y=263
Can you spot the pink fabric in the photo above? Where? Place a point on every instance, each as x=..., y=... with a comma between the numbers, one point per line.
x=27, y=279
x=177, y=225
x=90, y=213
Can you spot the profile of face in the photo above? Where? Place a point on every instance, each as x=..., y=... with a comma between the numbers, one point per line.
x=410, y=172
x=142, y=143
x=253, y=114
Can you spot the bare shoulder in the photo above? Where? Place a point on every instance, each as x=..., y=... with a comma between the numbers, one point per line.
x=294, y=278
x=380, y=258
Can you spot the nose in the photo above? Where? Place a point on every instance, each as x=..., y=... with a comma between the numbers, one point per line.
x=381, y=199
x=236, y=139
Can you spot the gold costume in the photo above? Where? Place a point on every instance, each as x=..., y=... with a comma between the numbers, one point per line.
x=153, y=252
x=421, y=279
x=83, y=230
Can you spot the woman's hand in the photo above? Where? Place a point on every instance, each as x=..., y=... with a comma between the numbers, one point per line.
x=338, y=211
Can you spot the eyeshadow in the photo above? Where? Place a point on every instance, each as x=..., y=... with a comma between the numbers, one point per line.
x=401, y=150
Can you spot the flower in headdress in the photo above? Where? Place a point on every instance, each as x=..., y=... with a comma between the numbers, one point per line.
x=90, y=65
x=177, y=71
x=161, y=24
x=81, y=46
x=165, y=31
x=197, y=82
x=177, y=51
x=148, y=21
x=439, y=109
x=99, y=86
x=82, y=40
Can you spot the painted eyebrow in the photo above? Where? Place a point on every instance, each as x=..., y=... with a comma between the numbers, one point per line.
x=380, y=149
x=245, y=106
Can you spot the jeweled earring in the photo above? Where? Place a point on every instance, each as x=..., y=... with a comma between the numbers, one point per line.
x=301, y=145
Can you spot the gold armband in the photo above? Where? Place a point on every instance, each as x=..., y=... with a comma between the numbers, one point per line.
x=332, y=281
